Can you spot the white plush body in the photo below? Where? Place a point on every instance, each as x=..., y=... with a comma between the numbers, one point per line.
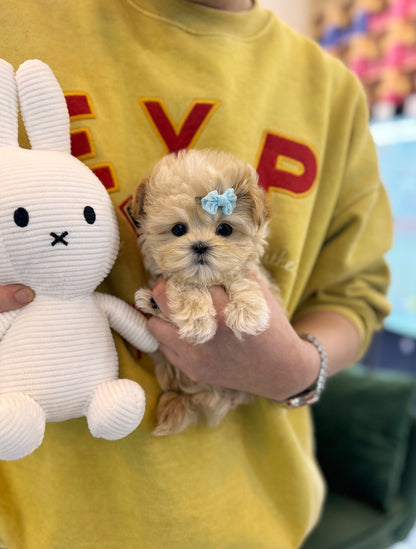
x=59, y=236
x=60, y=372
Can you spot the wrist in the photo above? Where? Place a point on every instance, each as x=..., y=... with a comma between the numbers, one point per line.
x=311, y=362
x=316, y=368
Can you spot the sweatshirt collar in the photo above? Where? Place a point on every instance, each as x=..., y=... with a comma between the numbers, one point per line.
x=202, y=20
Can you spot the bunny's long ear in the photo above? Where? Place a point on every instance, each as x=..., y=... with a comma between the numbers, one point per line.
x=43, y=106
x=8, y=106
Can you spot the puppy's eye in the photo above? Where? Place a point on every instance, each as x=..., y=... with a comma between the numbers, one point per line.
x=224, y=229
x=21, y=217
x=179, y=229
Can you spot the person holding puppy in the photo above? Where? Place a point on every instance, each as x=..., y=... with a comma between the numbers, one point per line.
x=148, y=77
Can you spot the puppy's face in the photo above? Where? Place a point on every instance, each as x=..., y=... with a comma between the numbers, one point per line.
x=179, y=238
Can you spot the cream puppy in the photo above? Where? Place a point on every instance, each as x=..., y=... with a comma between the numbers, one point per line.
x=202, y=221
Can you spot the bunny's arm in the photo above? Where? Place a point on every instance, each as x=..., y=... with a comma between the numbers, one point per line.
x=6, y=320
x=127, y=321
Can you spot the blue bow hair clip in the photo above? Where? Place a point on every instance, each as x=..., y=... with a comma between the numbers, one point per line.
x=212, y=201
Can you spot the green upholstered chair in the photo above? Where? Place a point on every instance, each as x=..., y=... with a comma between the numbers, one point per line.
x=365, y=428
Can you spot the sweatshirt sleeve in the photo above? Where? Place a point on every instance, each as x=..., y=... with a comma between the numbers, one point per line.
x=350, y=275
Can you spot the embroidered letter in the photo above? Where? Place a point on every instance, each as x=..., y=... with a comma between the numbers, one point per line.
x=82, y=145
x=286, y=165
x=182, y=136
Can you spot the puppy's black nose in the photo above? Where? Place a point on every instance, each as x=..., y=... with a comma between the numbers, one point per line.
x=200, y=248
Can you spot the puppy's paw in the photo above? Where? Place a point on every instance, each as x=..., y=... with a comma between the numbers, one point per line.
x=144, y=302
x=174, y=414
x=193, y=313
x=247, y=317
x=198, y=330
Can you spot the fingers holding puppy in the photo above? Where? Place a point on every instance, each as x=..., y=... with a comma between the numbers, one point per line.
x=224, y=360
x=195, y=360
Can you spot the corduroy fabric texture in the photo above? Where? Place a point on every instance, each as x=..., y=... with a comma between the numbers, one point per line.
x=58, y=235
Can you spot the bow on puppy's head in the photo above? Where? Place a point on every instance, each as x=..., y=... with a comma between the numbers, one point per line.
x=212, y=201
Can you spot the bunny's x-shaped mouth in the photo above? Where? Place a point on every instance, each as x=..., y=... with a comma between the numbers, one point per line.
x=59, y=238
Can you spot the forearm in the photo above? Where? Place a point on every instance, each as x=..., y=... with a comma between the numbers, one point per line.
x=337, y=334
x=297, y=362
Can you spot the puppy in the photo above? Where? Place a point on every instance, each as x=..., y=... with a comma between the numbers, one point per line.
x=202, y=221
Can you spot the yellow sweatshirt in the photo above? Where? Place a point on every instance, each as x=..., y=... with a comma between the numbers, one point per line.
x=143, y=77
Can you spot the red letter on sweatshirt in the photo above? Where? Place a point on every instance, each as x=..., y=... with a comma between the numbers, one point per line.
x=182, y=136
x=286, y=165
x=82, y=145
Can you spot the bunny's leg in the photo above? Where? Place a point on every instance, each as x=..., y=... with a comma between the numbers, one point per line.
x=22, y=425
x=116, y=409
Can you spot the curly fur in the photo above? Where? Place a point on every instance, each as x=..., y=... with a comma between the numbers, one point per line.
x=168, y=196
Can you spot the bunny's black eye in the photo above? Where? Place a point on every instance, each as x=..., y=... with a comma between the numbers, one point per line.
x=179, y=229
x=21, y=217
x=89, y=215
x=224, y=229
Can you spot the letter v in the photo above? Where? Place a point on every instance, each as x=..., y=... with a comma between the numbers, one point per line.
x=182, y=136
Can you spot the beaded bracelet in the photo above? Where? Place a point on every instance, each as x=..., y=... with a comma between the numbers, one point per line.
x=312, y=393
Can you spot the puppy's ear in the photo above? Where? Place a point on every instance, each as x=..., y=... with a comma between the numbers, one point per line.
x=137, y=207
x=253, y=196
x=260, y=205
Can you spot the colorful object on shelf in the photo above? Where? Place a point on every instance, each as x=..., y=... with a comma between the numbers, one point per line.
x=377, y=40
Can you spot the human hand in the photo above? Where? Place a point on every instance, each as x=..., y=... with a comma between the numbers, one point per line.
x=14, y=296
x=275, y=363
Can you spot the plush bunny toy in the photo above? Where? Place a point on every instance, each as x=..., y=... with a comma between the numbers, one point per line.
x=58, y=235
